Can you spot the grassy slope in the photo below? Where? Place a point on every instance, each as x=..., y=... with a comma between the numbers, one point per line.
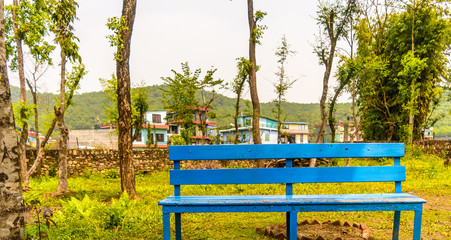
x=93, y=211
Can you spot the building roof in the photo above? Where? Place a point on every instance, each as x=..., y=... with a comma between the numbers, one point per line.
x=295, y=123
x=156, y=126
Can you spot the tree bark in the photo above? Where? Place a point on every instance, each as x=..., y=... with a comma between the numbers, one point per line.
x=279, y=115
x=23, y=93
x=124, y=102
x=11, y=200
x=63, y=186
x=331, y=110
x=237, y=112
x=253, y=76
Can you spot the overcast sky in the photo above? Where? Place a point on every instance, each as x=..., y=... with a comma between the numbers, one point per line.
x=204, y=33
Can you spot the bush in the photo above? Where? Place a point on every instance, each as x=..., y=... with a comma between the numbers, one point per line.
x=111, y=173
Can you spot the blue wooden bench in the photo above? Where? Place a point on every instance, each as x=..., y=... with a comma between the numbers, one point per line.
x=394, y=200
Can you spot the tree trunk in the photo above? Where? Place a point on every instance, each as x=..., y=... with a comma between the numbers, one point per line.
x=11, y=200
x=322, y=103
x=328, y=64
x=237, y=112
x=279, y=116
x=33, y=90
x=332, y=108
x=23, y=93
x=253, y=76
x=63, y=186
x=124, y=102
x=412, y=104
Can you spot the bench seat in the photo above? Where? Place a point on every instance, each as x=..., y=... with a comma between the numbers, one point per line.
x=236, y=200
x=298, y=203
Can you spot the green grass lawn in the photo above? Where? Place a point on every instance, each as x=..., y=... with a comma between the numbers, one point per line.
x=95, y=208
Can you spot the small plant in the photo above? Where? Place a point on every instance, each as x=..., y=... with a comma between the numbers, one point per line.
x=110, y=173
x=42, y=219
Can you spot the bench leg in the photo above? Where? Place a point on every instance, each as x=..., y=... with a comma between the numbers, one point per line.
x=166, y=226
x=292, y=225
x=396, y=225
x=417, y=224
x=178, y=226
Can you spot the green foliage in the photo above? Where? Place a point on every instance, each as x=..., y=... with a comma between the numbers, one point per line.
x=180, y=94
x=110, y=173
x=116, y=25
x=139, y=106
x=109, y=87
x=139, y=98
x=33, y=23
x=177, y=140
x=257, y=32
x=283, y=84
x=23, y=112
x=73, y=80
x=392, y=79
x=42, y=220
x=63, y=15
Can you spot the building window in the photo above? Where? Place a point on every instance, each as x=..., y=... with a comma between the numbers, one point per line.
x=139, y=138
x=160, y=137
x=156, y=118
x=248, y=122
x=266, y=137
x=285, y=126
x=301, y=127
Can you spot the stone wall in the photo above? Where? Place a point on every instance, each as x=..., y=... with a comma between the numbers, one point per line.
x=439, y=147
x=82, y=160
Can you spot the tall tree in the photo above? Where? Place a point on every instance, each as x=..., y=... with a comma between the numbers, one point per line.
x=27, y=23
x=333, y=19
x=64, y=13
x=12, y=214
x=72, y=85
x=283, y=84
x=402, y=80
x=256, y=32
x=181, y=97
x=23, y=95
x=36, y=73
x=123, y=35
x=346, y=76
x=237, y=87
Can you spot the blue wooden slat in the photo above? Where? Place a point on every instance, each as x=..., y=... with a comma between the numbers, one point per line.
x=296, y=208
x=253, y=200
x=288, y=175
x=283, y=151
x=398, y=189
x=289, y=186
x=177, y=187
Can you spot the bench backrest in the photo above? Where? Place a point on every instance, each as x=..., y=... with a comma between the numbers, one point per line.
x=287, y=175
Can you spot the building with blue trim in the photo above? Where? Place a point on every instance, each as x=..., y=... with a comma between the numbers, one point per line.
x=268, y=131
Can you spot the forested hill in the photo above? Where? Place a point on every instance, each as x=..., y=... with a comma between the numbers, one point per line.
x=88, y=107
